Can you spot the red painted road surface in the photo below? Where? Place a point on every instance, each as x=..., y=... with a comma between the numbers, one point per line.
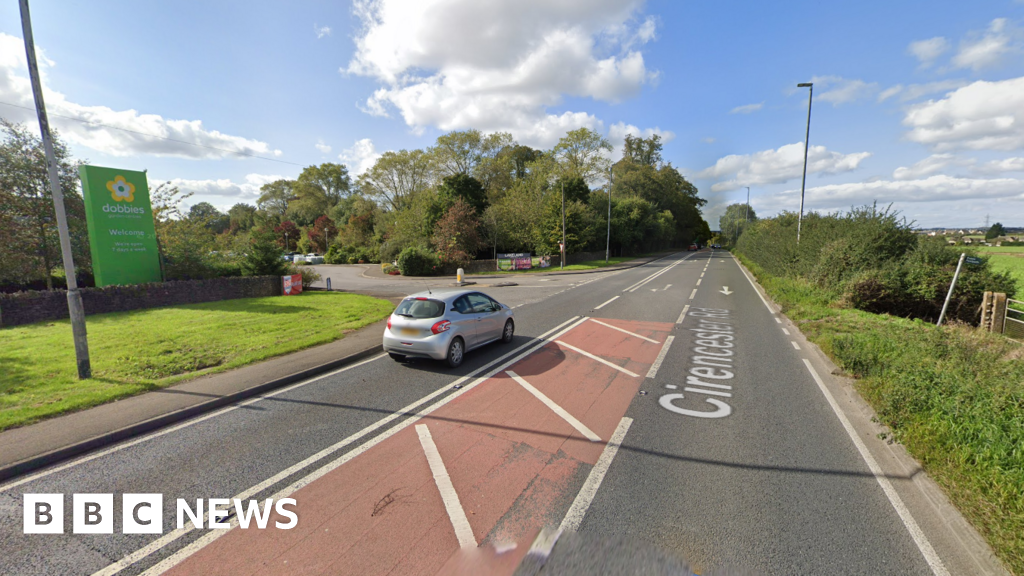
x=512, y=460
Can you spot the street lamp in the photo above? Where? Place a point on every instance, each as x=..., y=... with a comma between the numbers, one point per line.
x=807, y=138
x=608, y=241
x=747, y=218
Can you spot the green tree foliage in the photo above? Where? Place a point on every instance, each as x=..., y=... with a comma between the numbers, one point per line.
x=417, y=261
x=642, y=151
x=318, y=190
x=456, y=238
x=242, y=217
x=583, y=153
x=26, y=205
x=465, y=188
x=734, y=220
x=396, y=177
x=580, y=226
x=322, y=233
x=187, y=245
x=208, y=215
x=263, y=255
x=995, y=231
x=274, y=198
x=288, y=235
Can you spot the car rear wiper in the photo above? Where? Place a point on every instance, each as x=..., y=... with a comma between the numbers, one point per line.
x=406, y=315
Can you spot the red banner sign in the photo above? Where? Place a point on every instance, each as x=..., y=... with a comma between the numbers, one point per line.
x=291, y=285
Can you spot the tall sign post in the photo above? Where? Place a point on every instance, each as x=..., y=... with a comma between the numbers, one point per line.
x=75, y=309
x=122, y=237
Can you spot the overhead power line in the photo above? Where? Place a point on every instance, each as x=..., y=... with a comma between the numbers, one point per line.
x=93, y=122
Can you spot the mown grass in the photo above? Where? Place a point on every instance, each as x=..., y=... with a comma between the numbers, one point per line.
x=953, y=396
x=133, y=352
x=1012, y=264
x=999, y=249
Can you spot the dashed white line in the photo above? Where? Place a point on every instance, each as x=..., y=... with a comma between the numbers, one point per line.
x=778, y=321
x=574, y=517
x=786, y=332
x=682, y=314
x=598, y=358
x=607, y=303
x=624, y=331
x=894, y=498
x=463, y=531
x=795, y=345
x=699, y=280
x=661, y=357
x=579, y=426
x=692, y=294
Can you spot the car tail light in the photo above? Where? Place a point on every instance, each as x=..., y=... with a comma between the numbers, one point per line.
x=441, y=326
x=389, y=322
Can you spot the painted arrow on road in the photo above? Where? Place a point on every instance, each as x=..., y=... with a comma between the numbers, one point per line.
x=725, y=290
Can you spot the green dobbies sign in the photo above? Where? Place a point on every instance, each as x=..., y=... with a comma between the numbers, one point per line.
x=122, y=238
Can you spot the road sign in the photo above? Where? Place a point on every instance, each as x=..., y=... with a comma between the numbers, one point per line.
x=972, y=260
x=122, y=238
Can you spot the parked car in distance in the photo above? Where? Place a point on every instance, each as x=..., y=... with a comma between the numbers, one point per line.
x=692, y=248
x=444, y=324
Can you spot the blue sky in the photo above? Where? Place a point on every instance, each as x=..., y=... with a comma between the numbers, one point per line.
x=919, y=103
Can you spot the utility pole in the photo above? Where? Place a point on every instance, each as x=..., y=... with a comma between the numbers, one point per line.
x=748, y=204
x=608, y=242
x=75, y=308
x=561, y=261
x=807, y=139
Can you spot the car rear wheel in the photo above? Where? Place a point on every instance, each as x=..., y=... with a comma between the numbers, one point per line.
x=509, y=331
x=396, y=357
x=456, y=350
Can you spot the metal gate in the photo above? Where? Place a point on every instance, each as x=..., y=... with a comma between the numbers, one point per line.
x=1013, y=320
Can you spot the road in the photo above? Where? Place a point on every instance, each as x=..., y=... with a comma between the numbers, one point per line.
x=666, y=404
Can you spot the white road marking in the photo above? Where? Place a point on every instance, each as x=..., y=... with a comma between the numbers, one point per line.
x=654, y=289
x=725, y=290
x=795, y=345
x=682, y=314
x=639, y=284
x=692, y=294
x=197, y=545
x=702, y=274
x=574, y=517
x=177, y=427
x=614, y=298
x=786, y=332
x=705, y=391
x=624, y=331
x=667, y=286
x=778, y=321
x=661, y=357
x=699, y=280
x=598, y=358
x=920, y=539
x=754, y=286
x=463, y=531
x=580, y=426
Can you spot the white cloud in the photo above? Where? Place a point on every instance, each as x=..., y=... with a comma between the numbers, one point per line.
x=360, y=157
x=440, y=67
x=927, y=51
x=980, y=116
x=839, y=90
x=1015, y=164
x=221, y=190
x=775, y=166
x=747, y=108
x=937, y=188
x=321, y=31
x=930, y=165
x=915, y=91
x=187, y=138
x=890, y=92
x=322, y=147
x=985, y=50
x=709, y=140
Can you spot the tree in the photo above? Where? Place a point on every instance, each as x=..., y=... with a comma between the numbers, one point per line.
x=263, y=255
x=318, y=190
x=462, y=151
x=288, y=235
x=732, y=223
x=208, y=215
x=275, y=196
x=575, y=189
x=186, y=245
x=455, y=237
x=582, y=152
x=466, y=188
x=321, y=233
x=995, y=231
x=242, y=217
x=580, y=225
x=396, y=177
x=28, y=203
x=642, y=151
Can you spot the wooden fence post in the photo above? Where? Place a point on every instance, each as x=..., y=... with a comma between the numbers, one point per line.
x=998, y=312
x=986, y=312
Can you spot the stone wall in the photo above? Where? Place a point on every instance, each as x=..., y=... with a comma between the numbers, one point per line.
x=28, y=307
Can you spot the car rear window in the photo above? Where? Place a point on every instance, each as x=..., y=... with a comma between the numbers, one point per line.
x=416, y=308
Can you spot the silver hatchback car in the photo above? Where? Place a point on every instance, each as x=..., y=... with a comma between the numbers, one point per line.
x=444, y=324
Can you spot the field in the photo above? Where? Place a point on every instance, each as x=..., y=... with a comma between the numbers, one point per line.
x=1012, y=264
x=132, y=352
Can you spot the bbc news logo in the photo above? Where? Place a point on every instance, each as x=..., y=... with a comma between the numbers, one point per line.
x=144, y=513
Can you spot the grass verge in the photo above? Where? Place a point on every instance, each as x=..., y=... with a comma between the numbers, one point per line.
x=133, y=352
x=953, y=396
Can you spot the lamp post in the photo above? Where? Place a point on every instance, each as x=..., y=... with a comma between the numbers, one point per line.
x=608, y=241
x=807, y=138
x=747, y=216
x=561, y=261
x=75, y=309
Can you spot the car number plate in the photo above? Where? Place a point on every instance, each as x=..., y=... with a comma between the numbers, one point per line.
x=409, y=332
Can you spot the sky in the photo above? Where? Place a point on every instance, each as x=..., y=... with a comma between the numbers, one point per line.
x=916, y=103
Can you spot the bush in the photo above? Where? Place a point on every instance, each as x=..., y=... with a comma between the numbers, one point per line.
x=263, y=256
x=309, y=275
x=415, y=261
x=390, y=269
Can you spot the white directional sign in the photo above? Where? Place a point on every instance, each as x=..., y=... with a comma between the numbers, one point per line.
x=725, y=290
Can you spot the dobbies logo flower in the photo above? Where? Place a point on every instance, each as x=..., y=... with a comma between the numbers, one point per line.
x=121, y=190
